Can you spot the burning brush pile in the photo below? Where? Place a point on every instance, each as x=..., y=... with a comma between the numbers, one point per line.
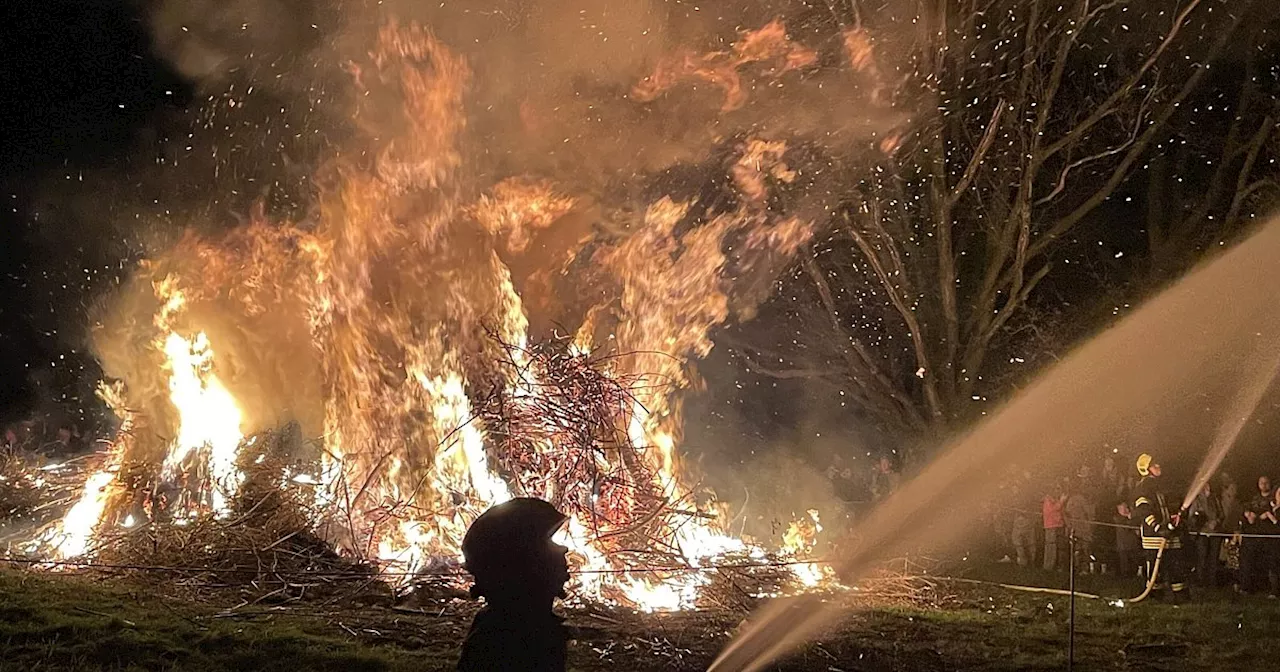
x=340, y=395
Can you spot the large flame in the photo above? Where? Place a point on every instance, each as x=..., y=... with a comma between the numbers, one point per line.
x=209, y=433
x=396, y=321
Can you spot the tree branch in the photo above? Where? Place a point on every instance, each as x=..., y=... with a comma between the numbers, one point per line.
x=1231, y=147
x=783, y=374
x=1135, y=152
x=1047, y=98
x=926, y=372
x=1101, y=111
x=1066, y=170
x=977, y=353
x=940, y=200
x=863, y=360
x=1244, y=192
x=1014, y=302
x=980, y=154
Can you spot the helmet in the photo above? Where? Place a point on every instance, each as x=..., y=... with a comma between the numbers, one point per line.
x=1144, y=464
x=501, y=541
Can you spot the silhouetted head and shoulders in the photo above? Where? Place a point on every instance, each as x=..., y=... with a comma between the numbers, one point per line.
x=519, y=571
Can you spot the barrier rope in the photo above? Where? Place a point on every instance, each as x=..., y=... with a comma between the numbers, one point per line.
x=1138, y=528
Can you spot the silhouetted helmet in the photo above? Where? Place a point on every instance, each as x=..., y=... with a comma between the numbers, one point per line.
x=503, y=539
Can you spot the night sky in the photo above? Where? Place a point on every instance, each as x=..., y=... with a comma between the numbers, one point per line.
x=81, y=86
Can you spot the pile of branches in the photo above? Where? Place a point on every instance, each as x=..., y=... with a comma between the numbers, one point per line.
x=908, y=581
x=740, y=583
x=266, y=546
x=34, y=491
x=562, y=434
x=20, y=492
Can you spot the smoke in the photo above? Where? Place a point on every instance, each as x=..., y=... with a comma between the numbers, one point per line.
x=552, y=92
x=551, y=95
x=367, y=189
x=213, y=41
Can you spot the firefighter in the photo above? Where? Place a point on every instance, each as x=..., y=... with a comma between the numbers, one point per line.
x=519, y=572
x=1159, y=527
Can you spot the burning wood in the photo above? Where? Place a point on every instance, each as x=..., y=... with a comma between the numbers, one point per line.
x=392, y=326
x=562, y=432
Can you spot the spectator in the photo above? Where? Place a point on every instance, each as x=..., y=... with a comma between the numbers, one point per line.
x=1253, y=549
x=1001, y=517
x=1262, y=500
x=1232, y=514
x=833, y=469
x=1232, y=509
x=1053, y=511
x=1207, y=517
x=1081, y=512
x=1111, y=477
x=1271, y=547
x=1023, y=534
x=884, y=479
x=842, y=481
x=1128, y=543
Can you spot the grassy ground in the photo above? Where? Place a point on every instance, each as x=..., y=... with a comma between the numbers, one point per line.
x=70, y=622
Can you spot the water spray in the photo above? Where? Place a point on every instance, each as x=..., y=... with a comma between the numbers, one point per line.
x=1184, y=343
x=1247, y=403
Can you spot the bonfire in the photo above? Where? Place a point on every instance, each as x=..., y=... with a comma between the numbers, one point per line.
x=343, y=394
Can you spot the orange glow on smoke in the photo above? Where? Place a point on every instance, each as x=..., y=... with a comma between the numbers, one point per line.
x=381, y=319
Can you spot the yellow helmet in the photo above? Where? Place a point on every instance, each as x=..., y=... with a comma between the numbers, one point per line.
x=1144, y=464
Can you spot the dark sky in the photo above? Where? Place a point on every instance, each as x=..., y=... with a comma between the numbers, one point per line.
x=80, y=82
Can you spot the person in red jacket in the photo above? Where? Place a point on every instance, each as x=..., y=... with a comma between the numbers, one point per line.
x=1053, y=510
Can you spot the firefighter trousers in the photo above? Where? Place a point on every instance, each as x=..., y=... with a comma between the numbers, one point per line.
x=1173, y=571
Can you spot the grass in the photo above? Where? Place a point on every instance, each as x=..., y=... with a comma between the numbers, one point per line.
x=77, y=623
x=83, y=622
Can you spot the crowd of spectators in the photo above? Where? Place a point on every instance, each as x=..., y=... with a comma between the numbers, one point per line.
x=861, y=485
x=1231, y=539
x=43, y=436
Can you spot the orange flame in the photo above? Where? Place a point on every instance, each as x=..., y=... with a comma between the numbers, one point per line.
x=379, y=323
x=768, y=45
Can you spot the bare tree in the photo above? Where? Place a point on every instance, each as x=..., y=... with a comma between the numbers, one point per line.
x=1029, y=116
x=1221, y=170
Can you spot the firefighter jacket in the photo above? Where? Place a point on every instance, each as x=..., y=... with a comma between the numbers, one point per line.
x=1149, y=506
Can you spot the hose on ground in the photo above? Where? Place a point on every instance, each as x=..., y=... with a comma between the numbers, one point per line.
x=1155, y=574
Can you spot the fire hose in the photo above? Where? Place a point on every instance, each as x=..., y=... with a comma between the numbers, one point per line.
x=1155, y=573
